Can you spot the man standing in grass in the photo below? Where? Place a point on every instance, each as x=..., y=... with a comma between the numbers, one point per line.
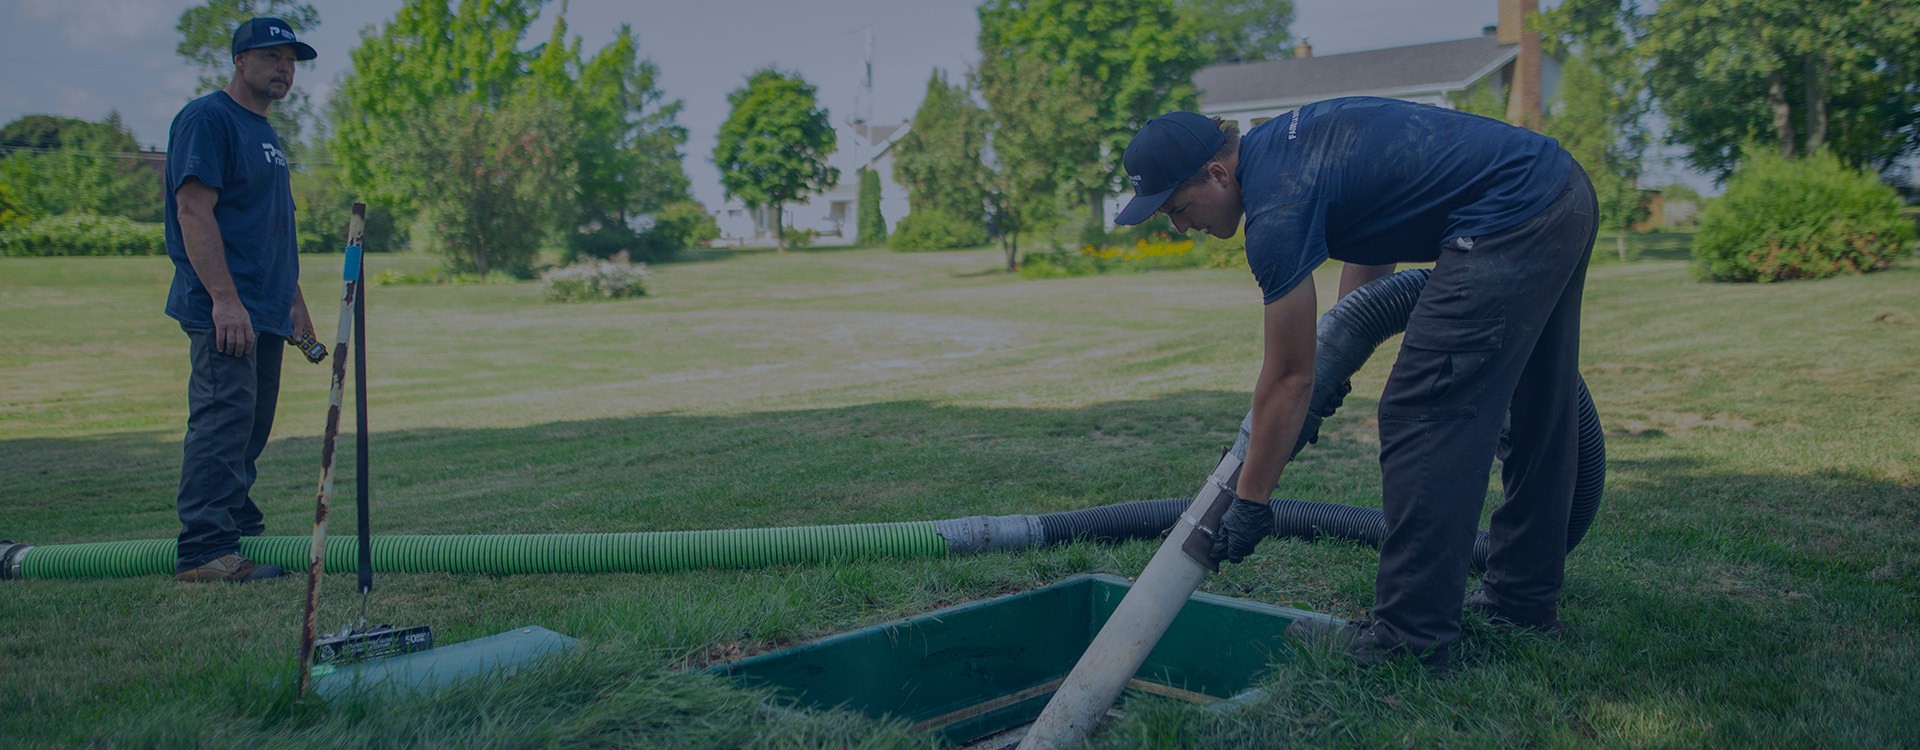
x=235, y=292
x=1508, y=218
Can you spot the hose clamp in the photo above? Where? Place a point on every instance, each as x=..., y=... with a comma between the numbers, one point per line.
x=1196, y=524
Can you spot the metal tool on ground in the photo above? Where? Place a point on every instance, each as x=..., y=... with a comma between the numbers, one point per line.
x=360, y=642
x=359, y=656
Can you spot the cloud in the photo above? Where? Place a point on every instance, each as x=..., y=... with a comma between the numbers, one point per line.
x=104, y=25
x=74, y=101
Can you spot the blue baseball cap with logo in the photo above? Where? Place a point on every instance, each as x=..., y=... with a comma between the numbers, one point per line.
x=269, y=32
x=1166, y=151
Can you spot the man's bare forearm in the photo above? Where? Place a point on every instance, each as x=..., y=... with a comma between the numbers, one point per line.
x=1279, y=409
x=208, y=253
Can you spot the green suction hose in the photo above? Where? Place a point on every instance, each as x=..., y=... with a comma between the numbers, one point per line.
x=507, y=554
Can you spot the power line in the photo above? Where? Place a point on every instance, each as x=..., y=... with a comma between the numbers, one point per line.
x=140, y=155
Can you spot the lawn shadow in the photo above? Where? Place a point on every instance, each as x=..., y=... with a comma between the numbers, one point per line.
x=892, y=461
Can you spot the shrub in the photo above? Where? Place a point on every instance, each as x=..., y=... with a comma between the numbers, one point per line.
x=934, y=229
x=610, y=278
x=1145, y=255
x=682, y=224
x=83, y=234
x=1809, y=218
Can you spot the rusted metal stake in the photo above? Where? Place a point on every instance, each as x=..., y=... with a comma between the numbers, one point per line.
x=316, y=557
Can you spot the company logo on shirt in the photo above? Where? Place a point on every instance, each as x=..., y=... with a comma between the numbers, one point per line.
x=274, y=155
x=1293, y=126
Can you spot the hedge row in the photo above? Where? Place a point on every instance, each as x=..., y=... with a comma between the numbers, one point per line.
x=82, y=234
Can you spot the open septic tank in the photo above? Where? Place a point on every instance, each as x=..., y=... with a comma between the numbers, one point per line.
x=976, y=669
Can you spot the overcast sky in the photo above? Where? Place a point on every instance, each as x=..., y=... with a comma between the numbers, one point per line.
x=82, y=58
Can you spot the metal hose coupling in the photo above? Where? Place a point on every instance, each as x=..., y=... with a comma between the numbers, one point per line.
x=10, y=555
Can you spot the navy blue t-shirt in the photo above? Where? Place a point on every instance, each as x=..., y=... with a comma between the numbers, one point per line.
x=231, y=149
x=1374, y=181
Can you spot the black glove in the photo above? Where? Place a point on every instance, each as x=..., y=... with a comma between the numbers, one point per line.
x=1241, y=529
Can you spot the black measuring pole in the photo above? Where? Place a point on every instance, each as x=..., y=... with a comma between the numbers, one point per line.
x=360, y=443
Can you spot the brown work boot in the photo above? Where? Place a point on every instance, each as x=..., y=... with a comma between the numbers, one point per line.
x=231, y=568
x=1547, y=624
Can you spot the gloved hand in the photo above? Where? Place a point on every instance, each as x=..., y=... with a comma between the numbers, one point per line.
x=1241, y=529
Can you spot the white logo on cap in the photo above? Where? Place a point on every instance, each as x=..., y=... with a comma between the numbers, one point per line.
x=277, y=31
x=1134, y=179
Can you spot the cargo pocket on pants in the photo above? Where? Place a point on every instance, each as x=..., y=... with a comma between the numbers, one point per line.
x=1438, y=374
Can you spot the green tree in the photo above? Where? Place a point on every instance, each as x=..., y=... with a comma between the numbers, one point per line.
x=1036, y=116
x=1602, y=104
x=91, y=169
x=8, y=216
x=1134, y=59
x=940, y=161
x=206, y=41
x=1241, y=30
x=1796, y=76
x=1588, y=121
x=497, y=172
x=326, y=206
x=873, y=226
x=628, y=149
x=773, y=148
x=430, y=52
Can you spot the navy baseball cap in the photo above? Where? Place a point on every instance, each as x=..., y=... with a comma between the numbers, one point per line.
x=269, y=32
x=1166, y=151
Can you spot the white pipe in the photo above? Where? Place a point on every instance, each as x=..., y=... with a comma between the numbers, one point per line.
x=1137, y=624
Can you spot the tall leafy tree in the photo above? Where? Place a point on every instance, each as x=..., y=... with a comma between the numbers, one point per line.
x=206, y=41
x=773, y=148
x=628, y=145
x=431, y=51
x=1241, y=30
x=1590, y=122
x=1035, y=117
x=1797, y=76
x=940, y=161
x=1134, y=59
x=1602, y=103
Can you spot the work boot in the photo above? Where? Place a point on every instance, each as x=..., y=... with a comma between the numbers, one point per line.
x=231, y=568
x=1363, y=642
x=1547, y=624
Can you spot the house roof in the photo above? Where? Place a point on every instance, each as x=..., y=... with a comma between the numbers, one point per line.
x=876, y=133
x=1438, y=66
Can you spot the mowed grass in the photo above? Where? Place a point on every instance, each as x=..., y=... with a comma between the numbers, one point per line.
x=1751, y=580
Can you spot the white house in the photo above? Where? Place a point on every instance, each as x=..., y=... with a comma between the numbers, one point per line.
x=834, y=214
x=1507, y=54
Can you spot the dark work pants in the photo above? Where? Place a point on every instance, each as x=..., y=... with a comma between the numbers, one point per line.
x=230, y=402
x=1496, y=329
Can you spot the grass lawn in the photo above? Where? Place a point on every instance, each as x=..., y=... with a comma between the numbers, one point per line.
x=1753, y=578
